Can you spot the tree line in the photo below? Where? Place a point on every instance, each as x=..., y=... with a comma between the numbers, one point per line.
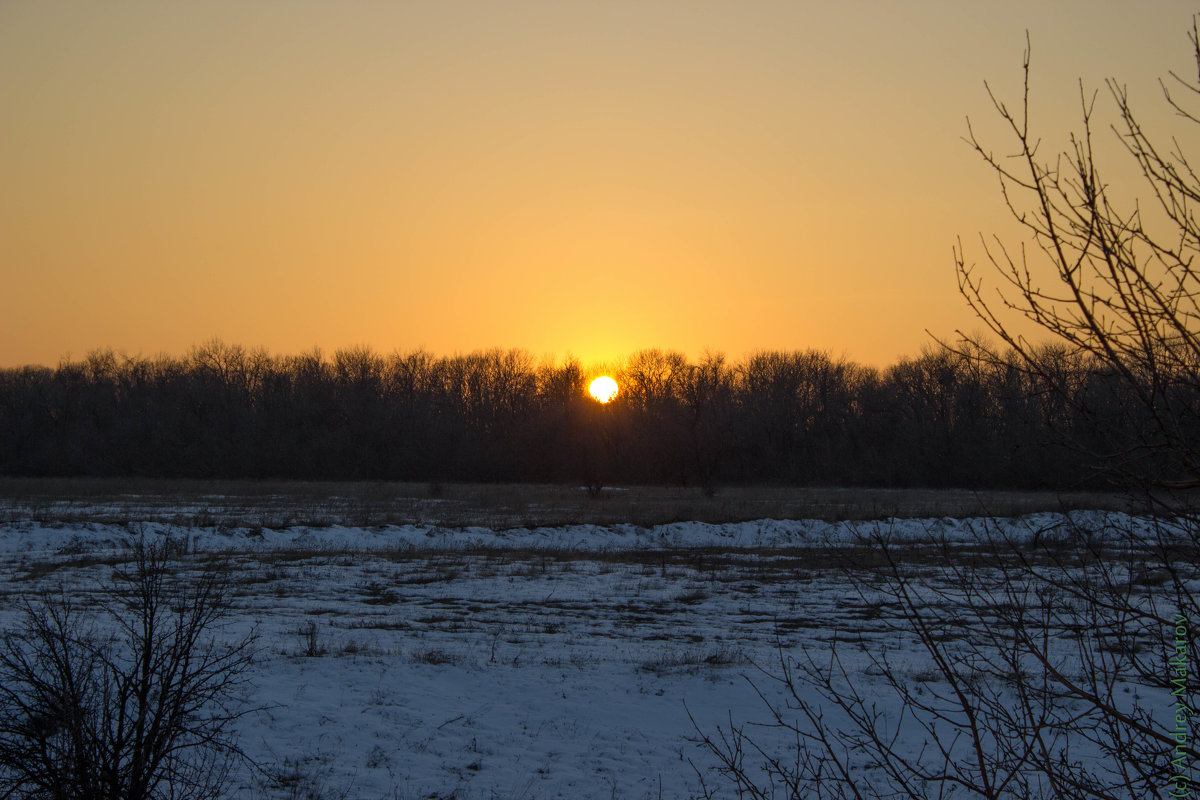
x=946, y=417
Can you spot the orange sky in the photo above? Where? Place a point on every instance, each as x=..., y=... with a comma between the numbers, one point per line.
x=569, y=177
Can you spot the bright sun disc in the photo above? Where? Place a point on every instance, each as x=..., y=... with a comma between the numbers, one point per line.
x=603, y=389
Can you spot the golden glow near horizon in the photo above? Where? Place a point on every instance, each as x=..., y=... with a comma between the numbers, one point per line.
x=466, y=175
x=603, y=389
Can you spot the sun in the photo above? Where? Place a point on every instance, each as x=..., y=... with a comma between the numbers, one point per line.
x=603, y=389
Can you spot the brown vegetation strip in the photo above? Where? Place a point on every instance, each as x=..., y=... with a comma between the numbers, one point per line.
x=280, y=504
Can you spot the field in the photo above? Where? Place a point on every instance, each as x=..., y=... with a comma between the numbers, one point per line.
x=510, y=642
x=285, y=504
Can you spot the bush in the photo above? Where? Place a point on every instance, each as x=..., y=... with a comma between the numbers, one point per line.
x=133, y=698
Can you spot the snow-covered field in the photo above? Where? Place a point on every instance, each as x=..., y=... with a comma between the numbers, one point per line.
x=418, y=661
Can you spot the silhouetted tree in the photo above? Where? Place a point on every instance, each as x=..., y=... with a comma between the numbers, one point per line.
x=132, y=699
x=947, y=417
x=1052, y=665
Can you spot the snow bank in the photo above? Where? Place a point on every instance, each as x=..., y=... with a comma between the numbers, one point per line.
x=36, y=538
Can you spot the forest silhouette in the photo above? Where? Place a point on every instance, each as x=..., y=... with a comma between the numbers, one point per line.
x=945, y=418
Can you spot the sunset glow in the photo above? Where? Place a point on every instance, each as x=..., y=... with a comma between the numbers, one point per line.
x=460, y=176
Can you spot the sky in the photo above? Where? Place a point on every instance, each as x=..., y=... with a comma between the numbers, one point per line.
x=572, y=178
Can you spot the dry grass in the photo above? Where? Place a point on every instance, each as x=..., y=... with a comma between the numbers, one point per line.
x=278, y=504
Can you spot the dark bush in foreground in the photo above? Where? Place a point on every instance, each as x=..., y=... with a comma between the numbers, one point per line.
x=132, y=700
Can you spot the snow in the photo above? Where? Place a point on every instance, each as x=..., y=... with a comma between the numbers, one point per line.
x=36, y=538
x=521, y=663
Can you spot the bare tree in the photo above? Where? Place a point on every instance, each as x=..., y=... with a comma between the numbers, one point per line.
x=133, y=699
x=1118, y=285
x=1050, y=672
x=1058, y=664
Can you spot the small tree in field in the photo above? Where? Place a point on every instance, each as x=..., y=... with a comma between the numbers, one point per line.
x=131, y=700
x=1061, y=666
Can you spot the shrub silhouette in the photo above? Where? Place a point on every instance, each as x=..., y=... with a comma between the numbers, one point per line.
x=131, y=700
